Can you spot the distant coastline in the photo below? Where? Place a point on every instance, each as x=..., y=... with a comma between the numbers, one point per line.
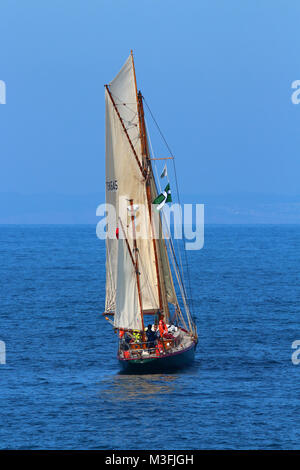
x=235, y=208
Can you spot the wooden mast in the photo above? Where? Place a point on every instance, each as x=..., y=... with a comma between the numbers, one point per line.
x=147, y=169
x=135, y=263
x=136, y=250
x=147, y=165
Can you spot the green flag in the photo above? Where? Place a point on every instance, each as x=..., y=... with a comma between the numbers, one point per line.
x=164, y=197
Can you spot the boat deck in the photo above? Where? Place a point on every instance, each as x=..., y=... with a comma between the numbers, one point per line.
x=181, y=341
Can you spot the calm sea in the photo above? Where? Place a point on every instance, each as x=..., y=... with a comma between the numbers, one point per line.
x=61, y=388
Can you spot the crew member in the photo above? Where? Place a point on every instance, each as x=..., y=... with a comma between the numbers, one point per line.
x=163, y=329
x=151, y=336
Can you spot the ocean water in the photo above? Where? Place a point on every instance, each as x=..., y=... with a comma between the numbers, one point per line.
x=61, y=387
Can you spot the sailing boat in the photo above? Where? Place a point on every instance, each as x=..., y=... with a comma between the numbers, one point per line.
x=140, y=289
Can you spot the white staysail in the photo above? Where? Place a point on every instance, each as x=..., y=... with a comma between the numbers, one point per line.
x=127, y=312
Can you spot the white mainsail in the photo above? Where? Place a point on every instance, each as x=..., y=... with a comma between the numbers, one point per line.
x=125, y=181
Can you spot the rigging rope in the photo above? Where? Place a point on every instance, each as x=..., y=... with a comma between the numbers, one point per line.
x=178, y=271
x=177, y=190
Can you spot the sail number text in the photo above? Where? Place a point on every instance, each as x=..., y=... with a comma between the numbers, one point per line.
x=112, y=185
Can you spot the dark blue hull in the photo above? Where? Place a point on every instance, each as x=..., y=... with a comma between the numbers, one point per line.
x=164, y=364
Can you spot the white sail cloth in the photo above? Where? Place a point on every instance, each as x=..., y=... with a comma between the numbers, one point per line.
x=125, y=182
x=127, y=313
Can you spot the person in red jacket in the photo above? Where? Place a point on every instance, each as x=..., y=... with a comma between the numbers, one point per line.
x=163, y=329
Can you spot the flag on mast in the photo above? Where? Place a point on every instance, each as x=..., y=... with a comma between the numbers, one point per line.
x=164, y=172
x=164, y=197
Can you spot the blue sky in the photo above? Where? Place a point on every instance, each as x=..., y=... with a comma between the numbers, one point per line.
x=216, y=74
